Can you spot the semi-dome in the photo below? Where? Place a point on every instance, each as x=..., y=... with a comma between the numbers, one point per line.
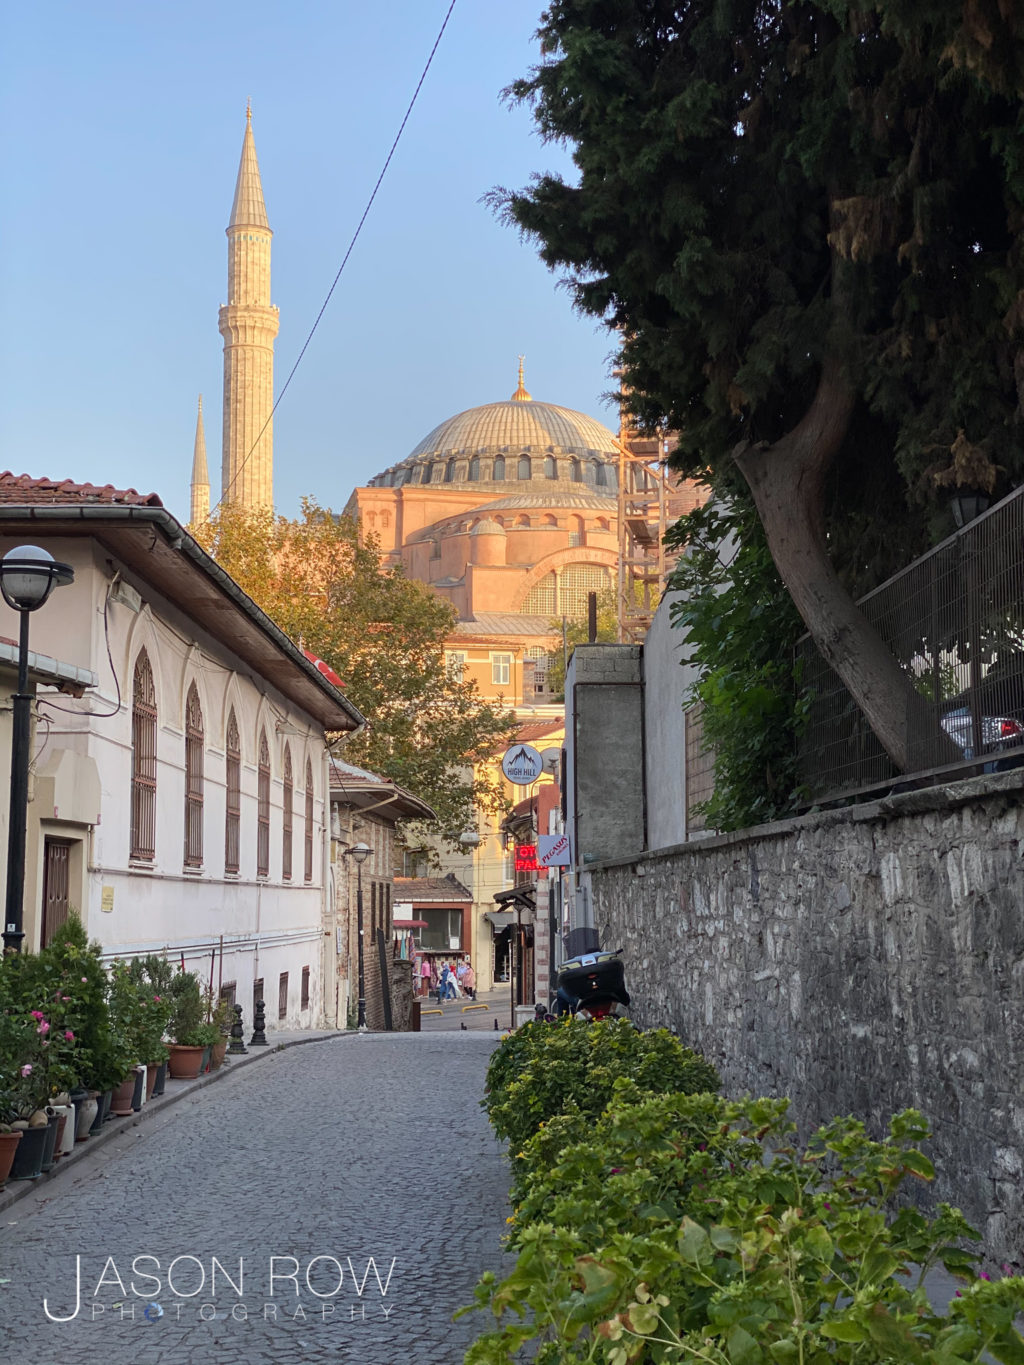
x=511, y=443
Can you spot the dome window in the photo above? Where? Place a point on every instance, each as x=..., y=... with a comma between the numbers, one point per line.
x=525, y=467
x=550, y=467
x=428, y=472
x=602, y=476
x=575, y=473
x=499, y=467
x=449, y=472
x=590, y=473
x=474, y=469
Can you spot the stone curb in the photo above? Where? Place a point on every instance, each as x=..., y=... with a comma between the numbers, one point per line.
x=19, y=1189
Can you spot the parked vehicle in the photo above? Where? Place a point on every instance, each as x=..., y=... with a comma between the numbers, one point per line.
x=592, y=985
x=997, y=732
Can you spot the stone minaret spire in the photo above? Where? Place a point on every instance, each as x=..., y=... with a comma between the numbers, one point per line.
x=200, y=475
x=248, y=324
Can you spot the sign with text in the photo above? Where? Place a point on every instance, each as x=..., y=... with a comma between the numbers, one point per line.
x=553, y=850
x=526, y=857
x=522, y=764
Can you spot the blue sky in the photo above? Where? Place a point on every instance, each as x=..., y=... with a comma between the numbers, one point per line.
x=121, y=132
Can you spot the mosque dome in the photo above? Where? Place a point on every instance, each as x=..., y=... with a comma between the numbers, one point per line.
x=487, y=528
x=511, y=443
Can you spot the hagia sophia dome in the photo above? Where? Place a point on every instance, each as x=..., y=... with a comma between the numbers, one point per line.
x=512, y=442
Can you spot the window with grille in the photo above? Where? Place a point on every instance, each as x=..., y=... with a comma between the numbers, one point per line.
x=263, y=809
x=455, y=660
x=540, y=600
x=501, y=669
x=307, y=831
x=286, y=824
x=282, y=996
x=233, y=813
x=194, y=745
x=304, y=1002
x=575, y=538
x=143, y=830
x=577, y=581
x=541, y=663
x=524, y=467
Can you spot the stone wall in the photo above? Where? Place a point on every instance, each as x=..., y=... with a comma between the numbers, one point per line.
x=859, y=961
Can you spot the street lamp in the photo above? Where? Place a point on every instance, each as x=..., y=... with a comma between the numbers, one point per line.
x=469, y=839
x=359, y=853
x=27, y=577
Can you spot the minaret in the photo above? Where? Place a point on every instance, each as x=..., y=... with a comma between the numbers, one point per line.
x=248, y=324
x=200, y=475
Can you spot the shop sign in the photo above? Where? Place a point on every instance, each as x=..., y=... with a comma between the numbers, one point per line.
x=553, y=850
x=526, y=857
x=522, y=764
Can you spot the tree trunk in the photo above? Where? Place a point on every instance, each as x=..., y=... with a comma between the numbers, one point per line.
x=787, y=483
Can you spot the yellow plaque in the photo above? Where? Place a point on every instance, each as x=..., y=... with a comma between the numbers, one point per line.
x=107, y=898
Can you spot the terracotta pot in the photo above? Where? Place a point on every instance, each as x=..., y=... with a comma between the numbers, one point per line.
x=217, y=1054
x=185, y=1062
x=121, y=1099
x=8, y=1146
x=152, y=1071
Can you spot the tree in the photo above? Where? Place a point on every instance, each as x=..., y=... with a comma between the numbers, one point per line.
x=805, y=221
x=577, y=632
x=384, y=635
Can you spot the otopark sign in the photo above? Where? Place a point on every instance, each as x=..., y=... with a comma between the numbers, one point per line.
x=522, y=765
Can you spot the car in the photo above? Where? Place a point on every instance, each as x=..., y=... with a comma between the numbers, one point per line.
x=997, y=732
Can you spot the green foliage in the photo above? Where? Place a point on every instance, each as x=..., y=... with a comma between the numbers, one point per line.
x=578, y=633
x=323, y=583
x=694, y=1228
x=187, y=1025
x=572, y=1067
x=740, y=630
x=758, y=187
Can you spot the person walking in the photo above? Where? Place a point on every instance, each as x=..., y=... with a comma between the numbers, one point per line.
x=425, y=977
x=442, y=987
x=469, y=980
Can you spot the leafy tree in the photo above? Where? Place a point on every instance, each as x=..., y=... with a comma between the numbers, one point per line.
x=805, y=221
x=577, y=632
x=383, y=634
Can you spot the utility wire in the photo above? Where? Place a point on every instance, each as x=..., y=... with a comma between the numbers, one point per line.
x=348, y=253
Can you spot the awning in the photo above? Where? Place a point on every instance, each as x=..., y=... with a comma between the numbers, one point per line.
x=500, y=919
x=409, y=923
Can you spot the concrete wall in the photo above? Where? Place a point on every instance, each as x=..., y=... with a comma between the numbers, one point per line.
x=666, y=681
x=859, y=961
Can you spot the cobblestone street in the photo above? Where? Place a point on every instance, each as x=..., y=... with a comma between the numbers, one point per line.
x=291, y=1175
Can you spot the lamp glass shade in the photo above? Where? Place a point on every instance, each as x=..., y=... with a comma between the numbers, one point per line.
x=469, y=839
x=28, y=574
x=360, y=852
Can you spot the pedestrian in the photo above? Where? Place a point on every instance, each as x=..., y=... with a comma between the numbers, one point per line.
x=469, y=980
x=454, y=992
x=425, y=977
x=442, y=988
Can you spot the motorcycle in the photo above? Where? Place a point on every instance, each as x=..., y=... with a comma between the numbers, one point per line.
x=592, y=986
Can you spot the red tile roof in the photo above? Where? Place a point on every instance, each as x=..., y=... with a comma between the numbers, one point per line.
x=533, y=730
x=423, y=889
x=22, y=489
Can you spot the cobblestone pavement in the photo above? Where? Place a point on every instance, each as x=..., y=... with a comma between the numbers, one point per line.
x=302, y=1168
x=478, y=1014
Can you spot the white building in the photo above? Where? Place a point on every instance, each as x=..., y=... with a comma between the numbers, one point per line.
x=182, y=804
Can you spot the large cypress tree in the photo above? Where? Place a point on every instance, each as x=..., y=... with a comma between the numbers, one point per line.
x=805, y=220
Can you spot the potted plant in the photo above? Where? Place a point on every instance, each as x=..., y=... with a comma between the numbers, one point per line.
x=218, y=1016
x=154, y=977
x=189, y=1032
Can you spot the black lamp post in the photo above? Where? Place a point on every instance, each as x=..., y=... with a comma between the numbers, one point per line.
x=360, y=852
x=27, y=577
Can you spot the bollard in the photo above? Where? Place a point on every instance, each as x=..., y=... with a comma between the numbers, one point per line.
x=237, y=1047
x=259, y=1036
x=496, y=1029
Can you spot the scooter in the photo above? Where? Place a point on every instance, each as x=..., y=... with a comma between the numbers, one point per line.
x=592, y=986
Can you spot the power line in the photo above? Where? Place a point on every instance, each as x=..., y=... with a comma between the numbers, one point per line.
x=348, y=253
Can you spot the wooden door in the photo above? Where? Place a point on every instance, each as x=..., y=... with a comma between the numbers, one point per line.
x=56, y=886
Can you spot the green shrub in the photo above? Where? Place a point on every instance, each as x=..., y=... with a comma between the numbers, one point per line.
x=572, y=1066
x=693, y=1229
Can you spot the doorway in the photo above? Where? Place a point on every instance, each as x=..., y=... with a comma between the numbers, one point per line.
x=56, y=886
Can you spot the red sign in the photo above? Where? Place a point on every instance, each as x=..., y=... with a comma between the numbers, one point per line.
x=526, y=857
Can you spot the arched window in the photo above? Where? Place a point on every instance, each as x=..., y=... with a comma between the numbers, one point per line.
x=233, y=813
x=524, y=467
x=371, y=520
x=474, y=469
x=143, y=830
x=575, y=473
x=449, y=472
x=499, y=467
x=307, y=830
x=286, y=824
x=263, y=808
x=524, y=520
x=428, y=473
x=550, y=467
x=602, y=476
x=194, y=747
x=590, y=471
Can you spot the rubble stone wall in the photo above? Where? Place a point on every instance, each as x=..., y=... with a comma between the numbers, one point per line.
x=859, y=961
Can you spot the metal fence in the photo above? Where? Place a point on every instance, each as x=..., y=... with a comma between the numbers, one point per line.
x=955, y=620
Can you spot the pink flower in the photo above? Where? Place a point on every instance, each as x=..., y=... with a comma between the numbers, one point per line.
x=156, y=999
x=69, y=1035
x=44, y=1027
x=38, y=1014
x=65, y=997
x=85, y=980
x=26, y=1070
